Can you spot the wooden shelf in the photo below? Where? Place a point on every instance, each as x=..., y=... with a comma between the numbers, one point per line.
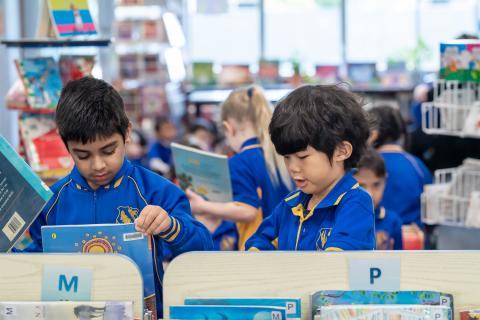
x=48, y=43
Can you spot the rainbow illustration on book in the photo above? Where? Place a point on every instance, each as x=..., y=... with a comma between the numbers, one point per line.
x=71, y=18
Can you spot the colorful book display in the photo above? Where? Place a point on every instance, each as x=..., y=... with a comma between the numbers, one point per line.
x=71, y=18
x=226, y=312
x=22, y=196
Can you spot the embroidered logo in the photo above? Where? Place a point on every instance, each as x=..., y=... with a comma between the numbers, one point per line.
x=126, y=214
x=323, y=237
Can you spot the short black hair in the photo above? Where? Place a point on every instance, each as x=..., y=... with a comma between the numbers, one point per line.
x=160, y=121
x=372, y=160
x=321, y=116
x=90, y=108
x=388, y=122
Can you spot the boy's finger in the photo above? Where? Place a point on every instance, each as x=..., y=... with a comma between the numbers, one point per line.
x=158, y=219
x=164, y=225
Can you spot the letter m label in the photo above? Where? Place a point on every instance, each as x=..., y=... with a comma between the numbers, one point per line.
x=64, y=283
x=276, y=315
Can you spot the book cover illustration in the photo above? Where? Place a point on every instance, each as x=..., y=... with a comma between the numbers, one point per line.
x=22, y=196
x=339, y=297
x=154, y=101
x=204, y=172
x=226, y=313
x=71, y=18
x=106, y=238
x=41, y=78
x=66, y=310
x=293, y=309
x=470, y=314
x=383, y=312
x=75, y=67
x=202, y=74
x=43, y=145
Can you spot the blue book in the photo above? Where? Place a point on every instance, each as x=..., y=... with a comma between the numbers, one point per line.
x=206, y=173
x=105, y=238
x=359, y=297
x=226, y=313
x=22, y=196
x=292, y=307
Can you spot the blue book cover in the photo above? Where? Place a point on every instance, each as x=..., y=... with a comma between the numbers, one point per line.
x=292, y=306
x=42, y=82
x=359, y=297
x=204, y=172
x=105, y=238
x=22, y=196
x=226, y=313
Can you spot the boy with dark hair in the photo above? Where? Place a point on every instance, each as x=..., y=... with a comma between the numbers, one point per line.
x=371, y=176
x=321, y=131
x=104, y=187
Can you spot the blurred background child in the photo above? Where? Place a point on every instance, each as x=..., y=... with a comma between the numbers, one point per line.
x=371, y=175
x=160, y=154
x=260, y=179
x=137, y=149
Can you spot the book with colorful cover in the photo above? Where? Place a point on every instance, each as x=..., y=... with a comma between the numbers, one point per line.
x=106, y=238
x=74, y=67
x=66, y=310
x=22, y=196
x=43, y=145
x=360, y=297
x=226, y=313
x=71, y=18
x=202, y=73
x=41, y=78
x=293, y=308
x=383, y=312
x=204, y=172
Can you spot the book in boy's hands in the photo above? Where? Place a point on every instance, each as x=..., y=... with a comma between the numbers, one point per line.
x=204, y=172
x=42, y=82
x=66, y=310
x=323, y=298
x=293, y=309
x=22, y=196
x=226, y=313
x=106, y=238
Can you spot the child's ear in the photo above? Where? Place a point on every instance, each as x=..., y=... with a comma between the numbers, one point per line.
x=373, y=137
x=229, y=128
x=343, y=151
x=128, y=135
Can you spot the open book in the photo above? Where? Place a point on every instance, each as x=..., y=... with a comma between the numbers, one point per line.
x=22, y=196
x=204, y=172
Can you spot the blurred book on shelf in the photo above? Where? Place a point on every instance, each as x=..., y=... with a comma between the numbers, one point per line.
x=234, y=75
x=327, y=74
x=202, y=74
x=268, y=71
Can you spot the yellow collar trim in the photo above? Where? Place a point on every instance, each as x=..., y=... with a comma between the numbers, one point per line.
x=253, y=146
x=117, y=183
x=382, y=213
x=292, y=196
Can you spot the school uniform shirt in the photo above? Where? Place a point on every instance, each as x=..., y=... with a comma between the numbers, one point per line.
x=225, y=237
x=388, y=230
x=252, y=185
x=162, y=152
x=121, y=201
x=406, y=176
x=343, y=220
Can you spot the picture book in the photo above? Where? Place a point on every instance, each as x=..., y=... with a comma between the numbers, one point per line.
x=43, y=145
x=154, y=101
x=362, y=73
x=202, y=74
x=470, y=314
x=71, y=18
x=129, y=66
x=75, y=67
x=41, y=78
x=339, y=297
x=234, y=74
x=226, y=313
x=328, y=74
x=22, y=196
x=204, y=172
x=268, y=71
x=66, y=310
x=106, y=238
x=293, y=309
x=383, y=312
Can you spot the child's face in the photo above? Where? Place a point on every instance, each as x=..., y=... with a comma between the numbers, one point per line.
x=167, y=132
x=372, y=183
x=100, y=160
x=313, y=172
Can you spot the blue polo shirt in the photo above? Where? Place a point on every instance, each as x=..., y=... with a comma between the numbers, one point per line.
x=343, y=220
x=252, y=185
x=121, y=201
x=225, y=237
x=158, y=150
x=406, y=176
x=388, y=230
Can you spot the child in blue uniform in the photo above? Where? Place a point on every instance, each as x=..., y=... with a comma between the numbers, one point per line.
x=160, y=154
x=259, y=176
x=321, y=131
x=371, y=176
x=104, y=187
x=406, y=174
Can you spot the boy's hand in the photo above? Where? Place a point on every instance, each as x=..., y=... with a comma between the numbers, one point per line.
x=153, y=220
x=196, y=202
